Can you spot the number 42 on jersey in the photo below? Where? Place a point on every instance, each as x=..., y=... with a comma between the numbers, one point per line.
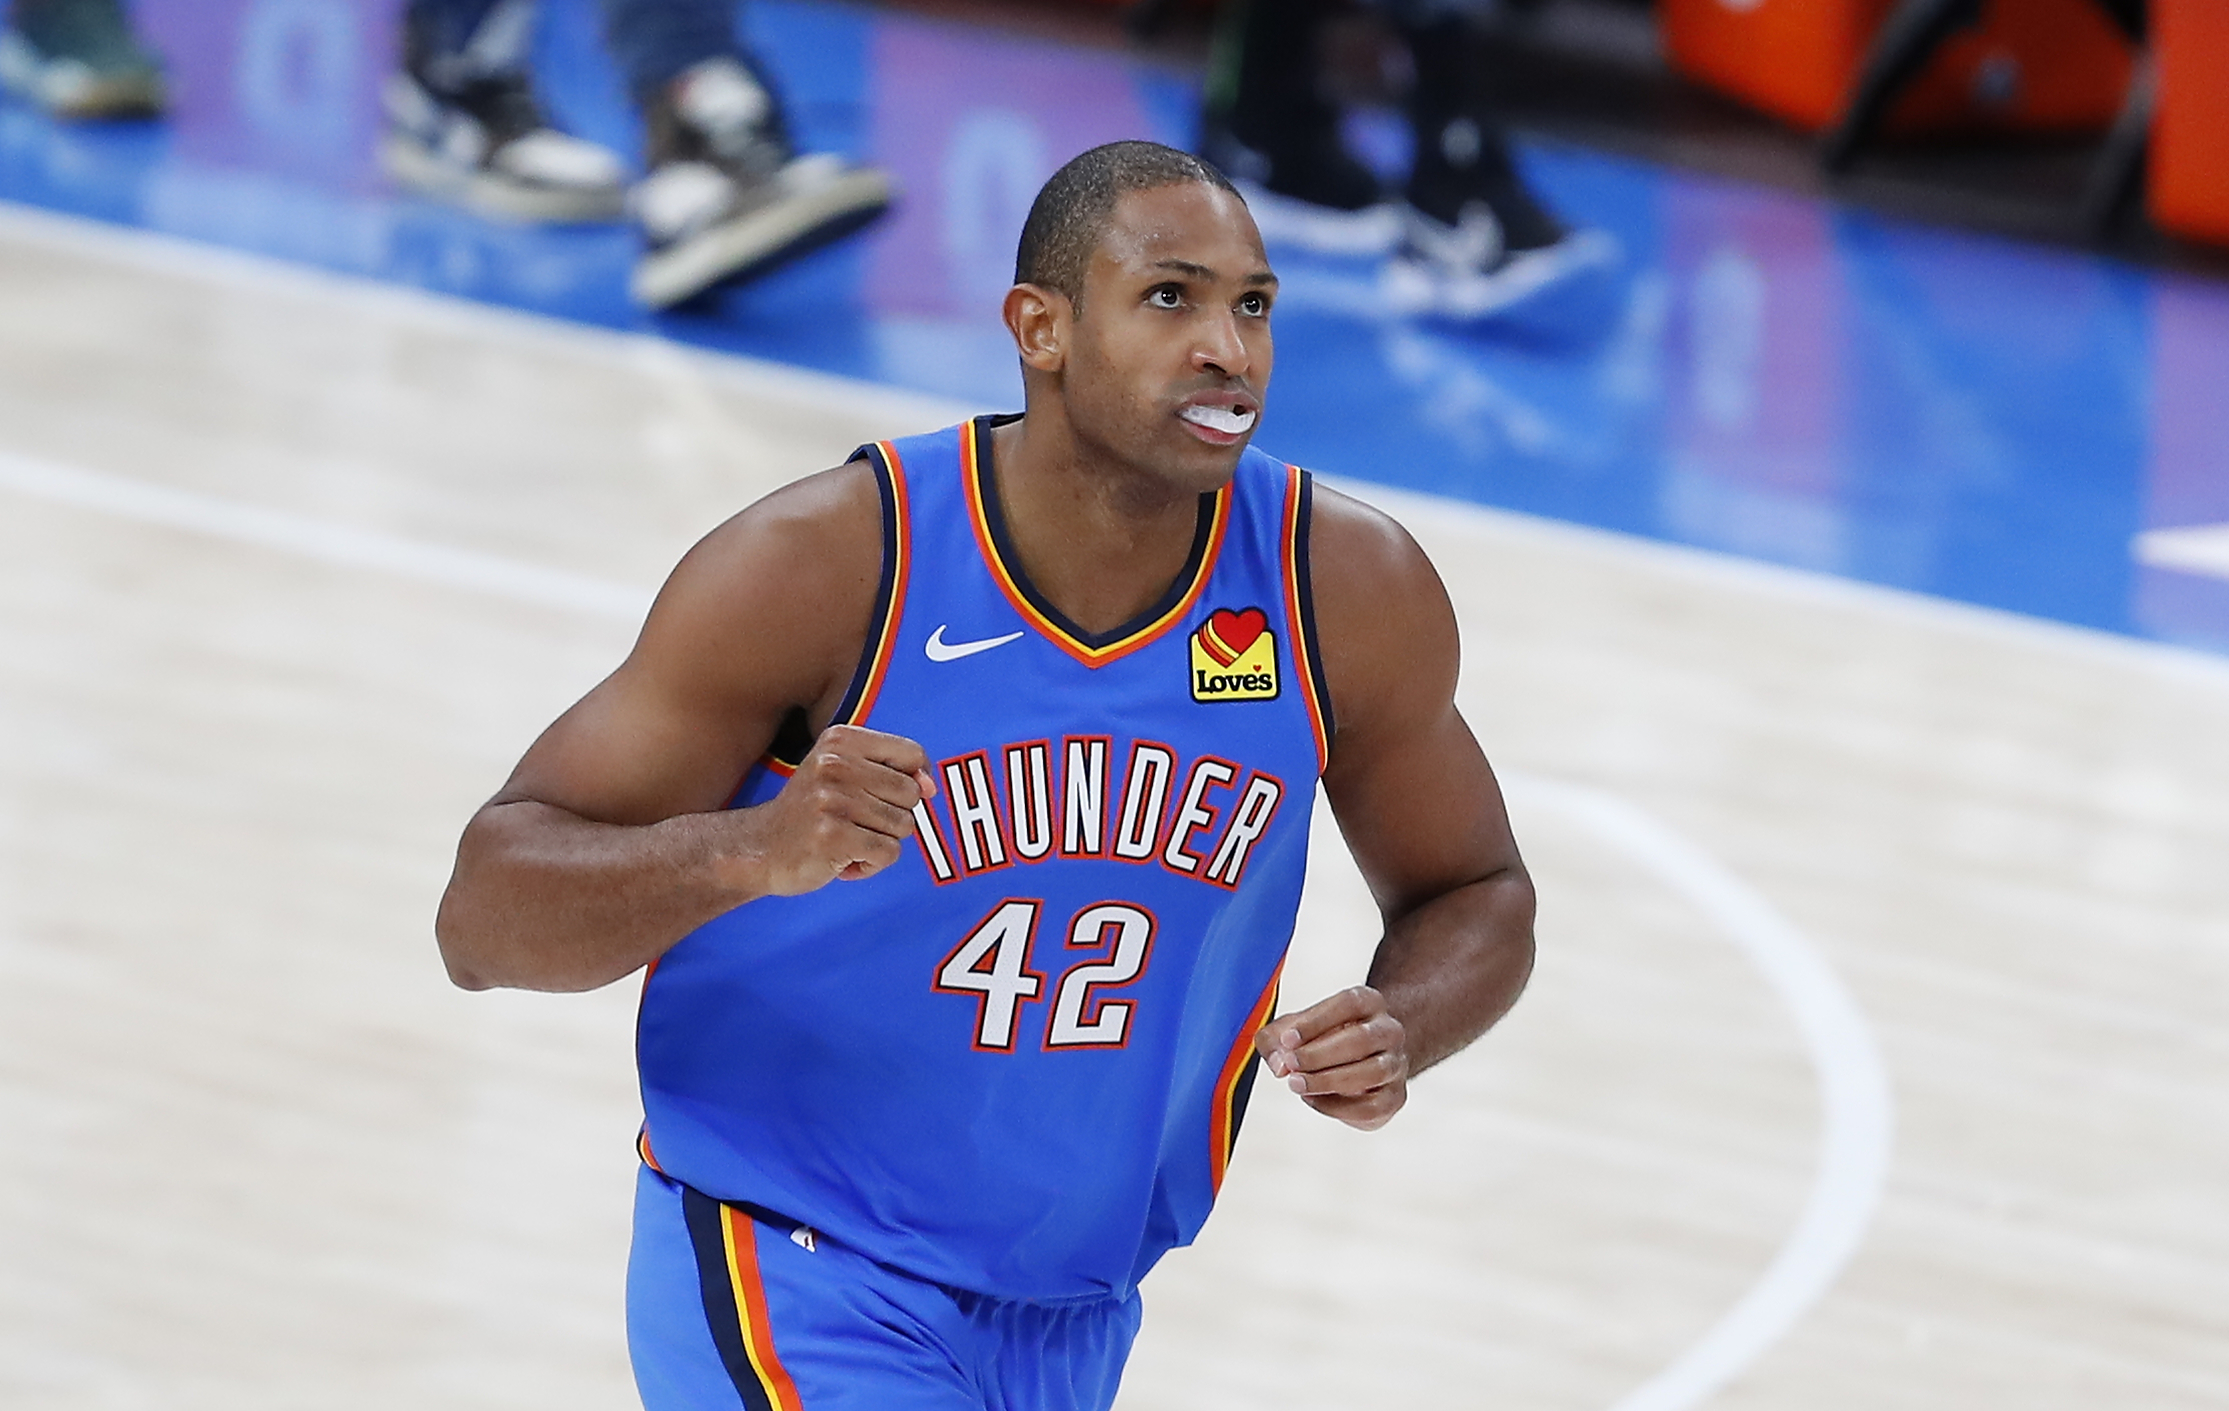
x=992, y=964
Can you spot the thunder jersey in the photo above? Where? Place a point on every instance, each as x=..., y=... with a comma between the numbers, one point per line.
x=1015, y=1060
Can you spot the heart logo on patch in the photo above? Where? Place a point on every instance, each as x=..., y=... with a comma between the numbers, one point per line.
x=1227, y=633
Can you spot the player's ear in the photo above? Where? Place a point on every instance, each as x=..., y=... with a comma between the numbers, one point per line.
x=1039, y=319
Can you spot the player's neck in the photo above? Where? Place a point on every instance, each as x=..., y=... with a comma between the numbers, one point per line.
x=1102, y=542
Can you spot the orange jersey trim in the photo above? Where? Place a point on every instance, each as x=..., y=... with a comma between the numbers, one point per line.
x=898, y=543
x=970, y=471
x=882, y=642
x=1237, y=1069
x=642, y=1133
x=1297, y=613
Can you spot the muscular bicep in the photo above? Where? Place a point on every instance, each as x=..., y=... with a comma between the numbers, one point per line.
x=1415, y=798
x=636, y=750
x=1422, y=813
x=762, y=618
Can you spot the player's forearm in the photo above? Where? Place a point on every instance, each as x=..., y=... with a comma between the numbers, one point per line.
x=543, y=899
x=1450, y=968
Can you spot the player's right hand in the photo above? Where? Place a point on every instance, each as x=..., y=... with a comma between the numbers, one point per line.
x=844, y=815
x=1347, y=1057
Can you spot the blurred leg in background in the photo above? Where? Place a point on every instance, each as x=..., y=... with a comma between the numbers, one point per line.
x=1469, y=240
x=79, y=59
x=1476, y=241
x=726, y=196
x=465, y=124
x=1271, y=123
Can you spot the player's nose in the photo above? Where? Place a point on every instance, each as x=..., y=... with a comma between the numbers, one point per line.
x=1218, y=345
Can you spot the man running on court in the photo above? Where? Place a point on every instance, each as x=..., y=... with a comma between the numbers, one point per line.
x=957, y=800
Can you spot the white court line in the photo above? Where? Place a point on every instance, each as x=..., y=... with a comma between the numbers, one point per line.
x=323, y=540
x=1856, y=1108
x=179, y=257
x=175, y=256
x=1800, y=587
x=2197, y=548
x=1857, y=1113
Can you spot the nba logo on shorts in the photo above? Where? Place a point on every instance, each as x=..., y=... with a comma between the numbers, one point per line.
x=1234, y=657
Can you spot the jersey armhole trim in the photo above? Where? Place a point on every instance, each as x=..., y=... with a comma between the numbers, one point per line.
x=890, y=591
x=1300, y=610
x=1235, y=1084
x=784, y=755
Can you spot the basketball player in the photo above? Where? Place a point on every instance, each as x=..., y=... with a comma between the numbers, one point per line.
x=956, y=999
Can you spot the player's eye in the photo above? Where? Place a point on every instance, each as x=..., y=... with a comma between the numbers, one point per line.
x=1253, y=305
x=1165, y=296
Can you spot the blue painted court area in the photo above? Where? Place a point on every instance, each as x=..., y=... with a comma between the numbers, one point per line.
x=1770, y=376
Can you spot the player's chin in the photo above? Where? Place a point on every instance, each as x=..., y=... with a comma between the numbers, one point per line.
x=1210, y=464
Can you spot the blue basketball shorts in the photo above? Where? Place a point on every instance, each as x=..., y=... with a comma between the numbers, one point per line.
x=728, y=1307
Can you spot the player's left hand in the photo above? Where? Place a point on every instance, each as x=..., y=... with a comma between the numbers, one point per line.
x=1347, y=1057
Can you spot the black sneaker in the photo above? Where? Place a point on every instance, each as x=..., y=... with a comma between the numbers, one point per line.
x=727, y=197
x=1475, y=243
x=467, y=128
x=79, y=59
x=1468, y=273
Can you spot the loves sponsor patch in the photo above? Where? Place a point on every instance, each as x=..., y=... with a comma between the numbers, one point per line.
x=1234, y=657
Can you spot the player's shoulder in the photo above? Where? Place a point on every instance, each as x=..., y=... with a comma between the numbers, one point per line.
x=837, y=504
x=794, y=574
x=797, y=537
x=1383, y=621
x=1357, y=548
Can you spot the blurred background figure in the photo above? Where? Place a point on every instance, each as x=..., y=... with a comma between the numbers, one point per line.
x=79, y=59
x=726, y=194
x=1469, y=239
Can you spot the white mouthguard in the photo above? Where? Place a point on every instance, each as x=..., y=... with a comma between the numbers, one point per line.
x=1228, y=420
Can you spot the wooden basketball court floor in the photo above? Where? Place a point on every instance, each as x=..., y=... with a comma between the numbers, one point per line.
x=1875, y=1056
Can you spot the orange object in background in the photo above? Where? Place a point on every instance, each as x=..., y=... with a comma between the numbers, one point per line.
x=2189, y=180
x=2031, y=65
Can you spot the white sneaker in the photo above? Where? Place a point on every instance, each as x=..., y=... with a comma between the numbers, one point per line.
x=1325, y=230
x=706, y=229
x=465, y=126
x=80, y=60
x=464, y=150
x=1465, y=273
x=726, y=199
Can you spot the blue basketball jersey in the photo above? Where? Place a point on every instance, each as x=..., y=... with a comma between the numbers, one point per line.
x=1015, y=1061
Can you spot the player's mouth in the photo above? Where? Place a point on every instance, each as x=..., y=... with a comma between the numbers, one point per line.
x=1219, y=423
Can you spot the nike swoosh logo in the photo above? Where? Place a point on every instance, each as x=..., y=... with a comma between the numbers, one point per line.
x=941, y=650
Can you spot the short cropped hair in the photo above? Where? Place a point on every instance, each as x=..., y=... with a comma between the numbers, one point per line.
x=1069, y=217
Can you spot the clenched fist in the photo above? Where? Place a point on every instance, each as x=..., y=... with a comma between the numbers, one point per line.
x=844, y=815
